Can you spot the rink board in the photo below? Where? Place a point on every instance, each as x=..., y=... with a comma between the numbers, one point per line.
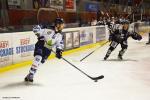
x=16, y=49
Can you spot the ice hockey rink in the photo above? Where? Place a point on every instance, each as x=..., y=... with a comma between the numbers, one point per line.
x=57, y=80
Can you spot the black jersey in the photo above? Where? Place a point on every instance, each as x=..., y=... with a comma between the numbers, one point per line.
x=123, y=35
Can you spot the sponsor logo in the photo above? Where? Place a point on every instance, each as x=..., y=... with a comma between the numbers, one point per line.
x=25, y=47
x=5, y=51
x=86, y=37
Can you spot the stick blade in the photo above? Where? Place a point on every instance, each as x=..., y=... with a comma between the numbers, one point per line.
x=98, y=78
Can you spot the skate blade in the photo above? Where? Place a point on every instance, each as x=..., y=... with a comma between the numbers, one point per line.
x=28, y=82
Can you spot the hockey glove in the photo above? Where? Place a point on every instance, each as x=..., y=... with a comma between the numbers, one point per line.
x=136, y=36
x=59, y=53
x=139, y=37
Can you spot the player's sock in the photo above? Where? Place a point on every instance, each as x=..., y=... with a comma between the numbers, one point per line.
x=33, y=69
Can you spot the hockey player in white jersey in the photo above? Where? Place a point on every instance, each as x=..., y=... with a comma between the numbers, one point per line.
x=47, y=39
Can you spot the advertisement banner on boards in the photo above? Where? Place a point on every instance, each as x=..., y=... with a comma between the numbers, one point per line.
x=94, y=7
x=100, y=34
x=6, y=50
x=68, y=40
x=86, y=36
x=23, y=46
x=76, y=39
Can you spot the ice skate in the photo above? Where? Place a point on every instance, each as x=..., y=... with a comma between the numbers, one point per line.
x=29, y=78
x=120, y=57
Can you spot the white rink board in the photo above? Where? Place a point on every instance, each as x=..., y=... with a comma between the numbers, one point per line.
x=21, y=44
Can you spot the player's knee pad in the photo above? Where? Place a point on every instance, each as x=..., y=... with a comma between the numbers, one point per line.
x=113, y=44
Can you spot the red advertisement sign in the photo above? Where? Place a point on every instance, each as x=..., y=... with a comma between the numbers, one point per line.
x=4, y=44
x=69, y=4
x=25, y=41
x=6, y=52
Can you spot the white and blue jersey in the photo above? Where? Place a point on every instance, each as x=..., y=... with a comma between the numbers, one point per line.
x=51, y=38
x=48, y=39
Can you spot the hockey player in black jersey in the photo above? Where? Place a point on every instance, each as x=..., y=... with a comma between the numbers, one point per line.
x=120, y=36
x=47, y=39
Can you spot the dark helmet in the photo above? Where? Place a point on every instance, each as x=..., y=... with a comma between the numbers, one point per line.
x=125, y=22
x=58, y=21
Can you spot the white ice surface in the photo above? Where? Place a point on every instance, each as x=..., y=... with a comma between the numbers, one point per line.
x=56, y=80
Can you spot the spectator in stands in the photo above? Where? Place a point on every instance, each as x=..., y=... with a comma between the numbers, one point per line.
x=93, y=22
x=100, y=22
x=35, y=4
x=104, y=20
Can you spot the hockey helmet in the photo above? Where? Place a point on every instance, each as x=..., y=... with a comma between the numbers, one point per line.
x=59, y=21
x=125, y=22
x=126, y=25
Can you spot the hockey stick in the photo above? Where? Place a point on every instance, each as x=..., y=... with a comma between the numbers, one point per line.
x=93, y=51
x=92, y=78
x=105, y=7
x=135, y=8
